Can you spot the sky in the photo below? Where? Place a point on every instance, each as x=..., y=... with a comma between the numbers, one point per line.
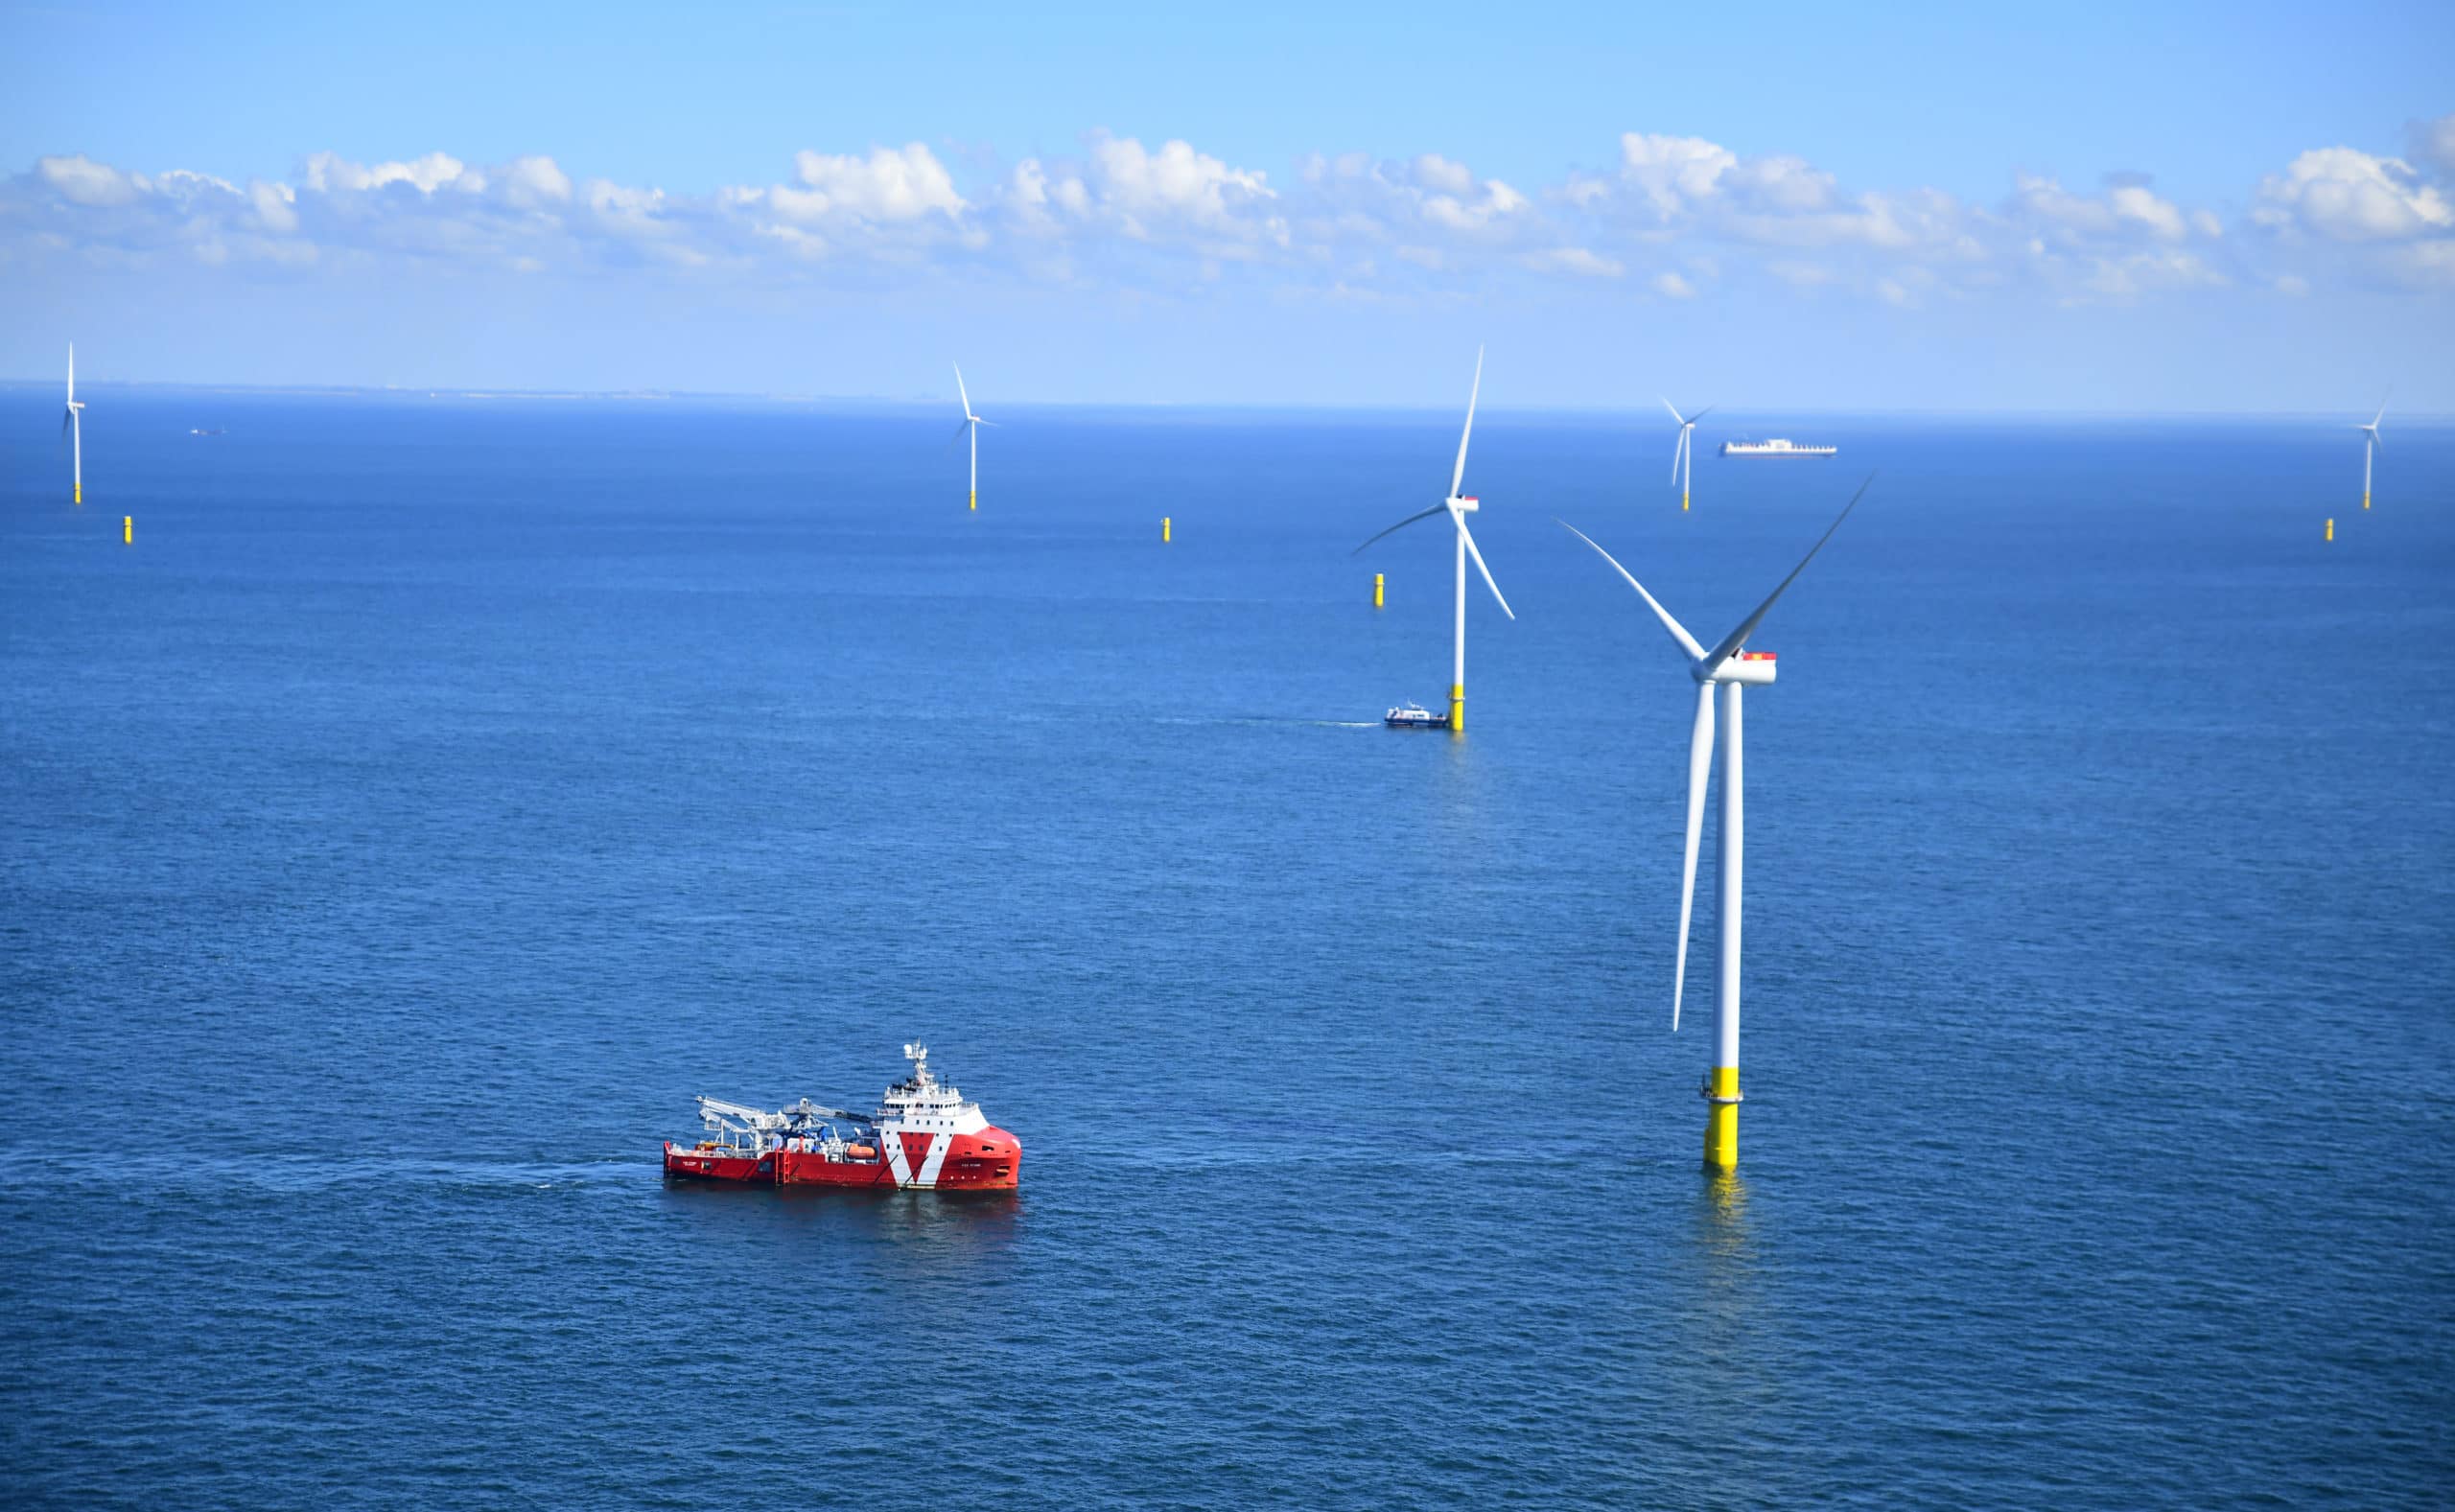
x=2135, y=208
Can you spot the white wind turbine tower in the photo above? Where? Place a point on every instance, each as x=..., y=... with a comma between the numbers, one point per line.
x=970, y=427
x=1730, y=666
x=1458, y=506
x=73, y=426
x=1683, y=455
x=2371, y=446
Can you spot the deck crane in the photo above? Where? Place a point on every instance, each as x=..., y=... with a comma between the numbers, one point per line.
x=731, y=1123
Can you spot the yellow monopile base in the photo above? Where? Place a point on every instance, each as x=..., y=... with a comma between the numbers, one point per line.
x=2365, y=498
x=1458, y=705
x=1683, y=501
x=1377, y=590
x=128, y=529
x=1721, y=1122
x=1164, y=524
x=79, y=495
x=2331, y=528
x=975, y=499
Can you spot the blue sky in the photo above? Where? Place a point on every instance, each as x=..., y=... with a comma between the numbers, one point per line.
x=2192, y=208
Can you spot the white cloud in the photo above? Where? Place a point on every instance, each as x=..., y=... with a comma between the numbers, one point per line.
x=887, y=186
x=330, y=171
x=1137, y=218
x=2350, y=195
x=2125, y=210
x=1436, y=172
x=81, y=180
x=534, y=183
x=276, y=204
x=1175, y=182
x=1672, y=172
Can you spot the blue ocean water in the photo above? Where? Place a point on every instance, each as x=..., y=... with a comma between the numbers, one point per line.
x=439, y=793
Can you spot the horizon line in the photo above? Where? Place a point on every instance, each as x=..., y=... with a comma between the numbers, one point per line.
x=408, y=391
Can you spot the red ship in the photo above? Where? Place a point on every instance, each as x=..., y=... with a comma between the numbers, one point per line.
x=923, y=1136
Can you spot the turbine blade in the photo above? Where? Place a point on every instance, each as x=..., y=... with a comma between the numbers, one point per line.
x=1700, y=762
x=1702, y=414
x=1437, y=509
x=961, y=393
x=1678, y=632
x=2374, y=419
x=991, y=424
x=1468, y=535
x=960, y=427
x=1677, y=448
x=1675, y=411
x=1458, y=474
x=1738, y=637
x=67, y=418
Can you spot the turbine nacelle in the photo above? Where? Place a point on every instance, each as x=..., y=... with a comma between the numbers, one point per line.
x=1751, y=668
x=1464, y=506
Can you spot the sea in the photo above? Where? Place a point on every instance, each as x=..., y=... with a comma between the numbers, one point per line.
x=437, y=793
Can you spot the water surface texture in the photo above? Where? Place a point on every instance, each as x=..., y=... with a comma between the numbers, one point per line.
x=438, y=794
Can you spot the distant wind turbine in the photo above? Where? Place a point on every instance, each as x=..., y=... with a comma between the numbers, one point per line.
x=2372, y=445
x=72, y=424
x=1683, y=455
x=970, y=427
x=1458, y=506
x=1730, y=666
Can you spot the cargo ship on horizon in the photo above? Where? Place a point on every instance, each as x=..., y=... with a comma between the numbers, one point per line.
x=1776, y=447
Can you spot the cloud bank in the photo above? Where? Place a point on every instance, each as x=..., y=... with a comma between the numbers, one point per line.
x=1670, y=218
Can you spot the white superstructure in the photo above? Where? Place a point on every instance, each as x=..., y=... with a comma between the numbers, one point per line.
x=1776, y=447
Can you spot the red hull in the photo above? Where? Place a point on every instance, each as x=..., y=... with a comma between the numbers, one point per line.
x=990, y=1160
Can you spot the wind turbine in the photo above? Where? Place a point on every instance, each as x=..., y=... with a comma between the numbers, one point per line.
x=1683, y=455
x=1730, y=666
x=972, y=424
x=2371, y=446
x=73, y=427
x=1458, y=507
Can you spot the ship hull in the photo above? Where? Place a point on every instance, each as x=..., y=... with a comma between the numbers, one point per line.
x=707, y=1165
x=990, y=1160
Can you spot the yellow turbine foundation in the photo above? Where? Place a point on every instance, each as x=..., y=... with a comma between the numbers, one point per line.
x=1683, y=501
x=1377, y=590
x=975, y=499
x=2331, y=528
x=2365, y=498
x=79, y=495
x=1164, y=524
x=1721, y=1122
x=1457, y=706
x=128, y=529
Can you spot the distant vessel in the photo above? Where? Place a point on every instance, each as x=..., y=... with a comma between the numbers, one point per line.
x=923, y=1136
x=1414, y=716
x=1776, y=447
x=200, y=430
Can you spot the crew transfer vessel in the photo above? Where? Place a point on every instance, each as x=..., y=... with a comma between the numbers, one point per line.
x=924, y=1135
